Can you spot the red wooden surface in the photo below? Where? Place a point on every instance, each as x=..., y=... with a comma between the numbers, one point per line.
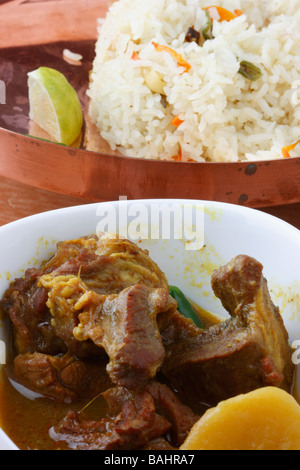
x=30, y=22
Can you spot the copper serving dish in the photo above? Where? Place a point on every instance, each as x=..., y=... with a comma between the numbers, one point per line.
x=35, y=33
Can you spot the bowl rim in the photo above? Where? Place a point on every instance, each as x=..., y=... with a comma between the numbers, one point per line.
x=207, y=203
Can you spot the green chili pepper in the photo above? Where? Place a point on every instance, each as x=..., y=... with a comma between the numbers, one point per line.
x=184, y=306
x=207, y=31
x=249, y=70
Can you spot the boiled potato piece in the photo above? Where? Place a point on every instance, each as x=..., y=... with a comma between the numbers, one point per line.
x=265, y=419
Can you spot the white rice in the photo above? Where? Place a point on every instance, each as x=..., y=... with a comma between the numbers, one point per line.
x=226, y=117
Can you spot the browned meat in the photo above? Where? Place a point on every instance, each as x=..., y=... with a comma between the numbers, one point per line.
x=64, y=294
x=168, y=405
x=45, y=310
x=109, y=264
x=129, y=332
x=124, y=324
x=248, y=351
x=135, y=426
x=106, y=264
x=62, y=378
x=244, y=293
x=25, y=303
x=136, y=420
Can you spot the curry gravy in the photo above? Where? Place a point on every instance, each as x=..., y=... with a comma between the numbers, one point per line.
x=27, y=421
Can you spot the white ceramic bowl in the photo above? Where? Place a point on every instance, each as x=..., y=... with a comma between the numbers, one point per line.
x=229, y=230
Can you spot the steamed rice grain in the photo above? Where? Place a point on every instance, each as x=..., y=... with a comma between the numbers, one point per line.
x=225, y=116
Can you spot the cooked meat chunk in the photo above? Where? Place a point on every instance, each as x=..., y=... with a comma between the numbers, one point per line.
x=244, y=293
x=136, y=424
x=109, y=264
x=106, y=264
x=130, y=332
x=135, y=421
x=125, y=325
x=248, y=351
x=25, y=304
x=168, y=405
x=62, y=378
x=237, y=284
x=63, y=294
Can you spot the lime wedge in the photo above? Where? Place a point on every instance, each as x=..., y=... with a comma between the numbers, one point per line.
x=54, y=105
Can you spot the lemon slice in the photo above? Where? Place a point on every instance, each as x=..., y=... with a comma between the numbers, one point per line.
x=54, y=105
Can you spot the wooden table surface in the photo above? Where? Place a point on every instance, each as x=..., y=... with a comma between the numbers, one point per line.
x=19, y=200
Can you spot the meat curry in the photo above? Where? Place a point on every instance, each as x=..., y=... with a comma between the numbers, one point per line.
x=101, y=357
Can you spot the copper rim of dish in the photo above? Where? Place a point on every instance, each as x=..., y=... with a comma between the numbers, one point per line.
x=98, y=176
